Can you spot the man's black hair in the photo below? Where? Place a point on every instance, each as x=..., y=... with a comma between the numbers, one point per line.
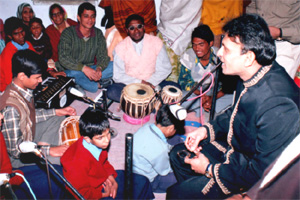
x=253, y=32
x=133, y=17
x=204, y=32
x=85, y=6
x=165, y=118
x=11, y=24
x=93, y=122
x=29, y=62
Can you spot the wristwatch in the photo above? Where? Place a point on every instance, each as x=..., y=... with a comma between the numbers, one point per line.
x=207, y=174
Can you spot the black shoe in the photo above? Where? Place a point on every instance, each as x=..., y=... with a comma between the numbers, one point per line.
x=104, y=83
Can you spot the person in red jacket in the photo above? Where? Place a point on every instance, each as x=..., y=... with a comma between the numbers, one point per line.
x=86, y=167
x=5, y=165
x=15, y=31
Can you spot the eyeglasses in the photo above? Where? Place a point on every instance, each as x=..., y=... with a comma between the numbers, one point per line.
x=57, y=14
x=139, y=26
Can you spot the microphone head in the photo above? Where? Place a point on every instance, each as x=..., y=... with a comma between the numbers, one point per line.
x=28, y=147
x=178, y=111
x=76, y=92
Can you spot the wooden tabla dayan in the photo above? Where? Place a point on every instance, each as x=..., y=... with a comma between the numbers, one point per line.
x=69, y=130
x=168, y=95
x=137, y=100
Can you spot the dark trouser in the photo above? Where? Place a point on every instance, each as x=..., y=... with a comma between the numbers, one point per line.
x=141, y=187
x=36, y=176
x=190, y=184
x=114, y=91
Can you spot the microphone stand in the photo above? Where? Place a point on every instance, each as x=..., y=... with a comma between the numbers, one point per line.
x=39, y=154
x=11, y=195
x=199, y=84
x=102, y=106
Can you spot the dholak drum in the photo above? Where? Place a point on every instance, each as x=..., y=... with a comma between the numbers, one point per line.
x=168, y=95
x=69, y=130
x=137, y=102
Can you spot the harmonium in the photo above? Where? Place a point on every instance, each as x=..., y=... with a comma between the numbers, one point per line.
x=54, y=93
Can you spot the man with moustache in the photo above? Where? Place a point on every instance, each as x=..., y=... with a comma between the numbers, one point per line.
x=232, y=151
x=139, y=58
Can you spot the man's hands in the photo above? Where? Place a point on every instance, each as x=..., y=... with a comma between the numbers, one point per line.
x=275, y=32
x=58, y=151
x=55, y=74
x=198, y=163
x=92, y=74
x=193, y=138
x=110, y=187
x=65, y=111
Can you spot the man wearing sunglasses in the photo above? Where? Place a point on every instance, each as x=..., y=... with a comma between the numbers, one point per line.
x=139, y=58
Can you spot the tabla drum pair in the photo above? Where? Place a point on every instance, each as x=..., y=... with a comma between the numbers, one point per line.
x=138, y=101
x=169, y=94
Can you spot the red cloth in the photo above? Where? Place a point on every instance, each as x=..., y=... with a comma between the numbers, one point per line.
x=5, y=165
x=122, y=9
x=84, y=172
x=297, y=77
x=54, y=36
x=5, y=64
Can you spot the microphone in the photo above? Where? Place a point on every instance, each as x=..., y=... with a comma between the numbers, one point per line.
x=178, y=111
x=29, y=147
x=76, y=92
x=5, y=177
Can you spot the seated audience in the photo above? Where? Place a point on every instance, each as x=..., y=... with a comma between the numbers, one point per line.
x=14, y=30
x=82, y=51
x=232, y=151
x=22, y=122
x=25, y=13
x=151, y=150
x=39, y=39
x=60, y=22
x=86, y=165
x=196, y=63
x=139, y=58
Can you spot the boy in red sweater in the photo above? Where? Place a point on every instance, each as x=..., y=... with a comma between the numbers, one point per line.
x=86, y=167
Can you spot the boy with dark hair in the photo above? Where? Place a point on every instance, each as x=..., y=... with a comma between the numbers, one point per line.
x=151, y=149
x=195, y=63
x=22, y=122
x=86, y=165
x=15, y=41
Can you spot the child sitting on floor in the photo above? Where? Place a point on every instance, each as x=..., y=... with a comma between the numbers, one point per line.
x=151, y=149
x=86, y=167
